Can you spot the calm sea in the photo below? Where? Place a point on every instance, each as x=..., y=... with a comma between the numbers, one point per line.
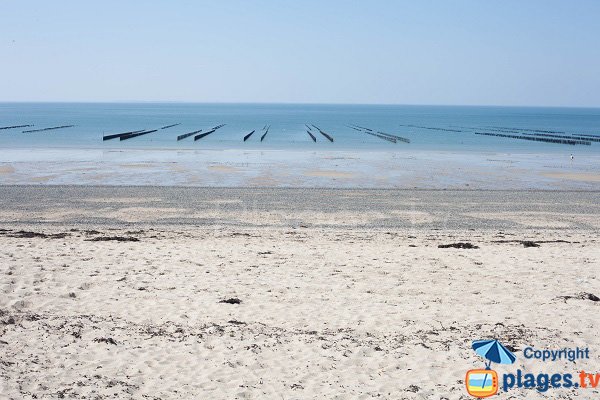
x=427, y=127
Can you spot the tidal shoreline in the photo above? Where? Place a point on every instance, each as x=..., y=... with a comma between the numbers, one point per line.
x=402, y=169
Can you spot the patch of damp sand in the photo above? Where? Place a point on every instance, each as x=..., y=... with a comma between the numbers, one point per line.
x=263, y=180
x=414, y=216
x=222, y=168
x=329, y=174
x=124, y=200
x=534, y=219
x=573, y=176
x=137, y=214
x=7, y=169
x=44, y=178
x=136, y=165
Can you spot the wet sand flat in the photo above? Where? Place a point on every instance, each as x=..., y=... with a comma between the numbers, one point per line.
x=399, y=169
x=575, y=176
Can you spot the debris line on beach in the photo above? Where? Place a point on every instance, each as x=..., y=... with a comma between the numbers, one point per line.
x=580, y=296
x=113, y=239
x=108, y=340
x=459, y=245
x=232, y=300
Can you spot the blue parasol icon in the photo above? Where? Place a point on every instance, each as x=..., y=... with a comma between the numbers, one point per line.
x=493, y=351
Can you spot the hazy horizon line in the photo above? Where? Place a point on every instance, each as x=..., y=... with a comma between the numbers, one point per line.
x=285, y=103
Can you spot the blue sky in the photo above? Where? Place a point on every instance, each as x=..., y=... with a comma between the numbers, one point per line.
x=480, y=52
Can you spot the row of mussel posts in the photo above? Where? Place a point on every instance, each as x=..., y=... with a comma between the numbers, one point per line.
x=532, y=135
x=313, y=131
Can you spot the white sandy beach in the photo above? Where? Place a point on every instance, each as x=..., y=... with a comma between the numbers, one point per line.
x=327, y=309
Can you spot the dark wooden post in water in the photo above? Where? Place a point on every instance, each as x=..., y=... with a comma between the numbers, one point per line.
x=563, y=137
x=133, y=135
x=312, y=136
x=248, y=136
x=326, y=135
x=382, y=135
x=170, y=126
x=265, y=134
x=14, y=127
x=200, y=136
x=538, y=139
x=116, y=135
x=49, y=129
x=323, y=133
x=400, y=138
x=186, y=135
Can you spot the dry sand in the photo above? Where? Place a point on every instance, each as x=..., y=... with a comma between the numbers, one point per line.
x=354, y=302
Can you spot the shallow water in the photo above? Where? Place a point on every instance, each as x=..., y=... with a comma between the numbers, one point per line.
x=419, y=124
x=444, y=151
